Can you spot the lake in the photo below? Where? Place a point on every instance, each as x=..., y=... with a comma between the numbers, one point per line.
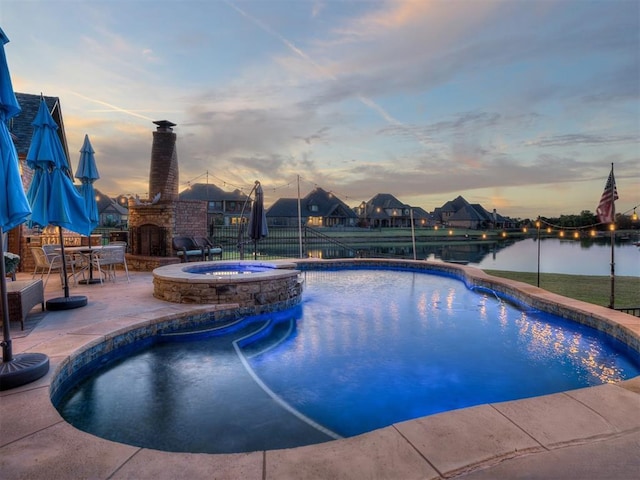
x=562, y=256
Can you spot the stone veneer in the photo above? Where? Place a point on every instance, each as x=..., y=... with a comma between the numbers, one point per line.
x=278, y=284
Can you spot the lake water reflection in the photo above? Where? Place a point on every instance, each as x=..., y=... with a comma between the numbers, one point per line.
x=574, y=257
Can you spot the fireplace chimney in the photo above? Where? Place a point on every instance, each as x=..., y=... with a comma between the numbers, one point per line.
x=163, y=176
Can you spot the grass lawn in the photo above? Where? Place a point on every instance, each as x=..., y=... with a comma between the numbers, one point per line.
x=592, y=289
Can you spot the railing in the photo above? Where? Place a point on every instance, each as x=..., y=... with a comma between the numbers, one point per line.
x=635, y=311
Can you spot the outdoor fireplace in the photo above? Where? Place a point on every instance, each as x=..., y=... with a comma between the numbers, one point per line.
x=153, y=222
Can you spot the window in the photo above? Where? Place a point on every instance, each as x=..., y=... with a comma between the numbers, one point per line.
x=313, y=208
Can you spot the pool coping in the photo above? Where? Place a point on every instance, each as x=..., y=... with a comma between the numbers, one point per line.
x=178, y=272
x=36, y=442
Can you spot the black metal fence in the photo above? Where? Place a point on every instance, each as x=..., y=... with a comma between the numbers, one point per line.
x=282, y=242
x=635, y=311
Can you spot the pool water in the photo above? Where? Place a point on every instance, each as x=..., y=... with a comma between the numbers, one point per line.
x=229, y=269
x=365, y=349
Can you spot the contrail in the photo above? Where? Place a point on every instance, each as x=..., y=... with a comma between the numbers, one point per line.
x=364, y=100
x=112, y=107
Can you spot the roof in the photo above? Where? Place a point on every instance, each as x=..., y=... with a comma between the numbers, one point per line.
x=468, y=213
x=419, y=212
x=283, y=207
x=326, y=203
x=454, y=205
x=106, y=203
x=20, y=126
x=210, y=192
x=386, y=200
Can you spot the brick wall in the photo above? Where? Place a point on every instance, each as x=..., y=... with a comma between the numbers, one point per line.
x=163, y=174
x=191, y=218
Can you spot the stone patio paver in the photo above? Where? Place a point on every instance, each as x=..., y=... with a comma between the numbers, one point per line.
x=556, y=419
x=383, y=454
x=458, y=440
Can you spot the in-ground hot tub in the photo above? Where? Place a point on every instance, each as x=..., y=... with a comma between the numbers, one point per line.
x=245, y=283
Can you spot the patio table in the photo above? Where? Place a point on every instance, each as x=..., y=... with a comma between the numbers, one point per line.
x=88, y=252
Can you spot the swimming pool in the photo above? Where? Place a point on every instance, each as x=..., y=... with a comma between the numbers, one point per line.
x=337, y=366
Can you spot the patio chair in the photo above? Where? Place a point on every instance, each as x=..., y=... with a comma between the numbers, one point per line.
x=109, y=257
x=45, y=264
x=53, y=253
x=186, y=248
x=119, y=243
x=209, y=250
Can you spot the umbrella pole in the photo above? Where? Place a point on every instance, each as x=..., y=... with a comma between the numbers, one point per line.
x=7, y=354
x=64, y=264
x=26, y=367
x=67, y=302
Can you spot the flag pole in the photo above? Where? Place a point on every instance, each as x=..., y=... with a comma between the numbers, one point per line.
x=612, y=228
x=299, y=221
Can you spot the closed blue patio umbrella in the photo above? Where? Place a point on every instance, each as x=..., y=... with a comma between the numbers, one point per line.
x=14, y=209
x=87, y=173
x=53, y=197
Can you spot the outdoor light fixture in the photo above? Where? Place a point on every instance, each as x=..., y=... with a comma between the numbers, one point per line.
x=576, y=235
x=634, y=216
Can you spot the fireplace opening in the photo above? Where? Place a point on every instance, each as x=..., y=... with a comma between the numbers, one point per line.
x=149, y=239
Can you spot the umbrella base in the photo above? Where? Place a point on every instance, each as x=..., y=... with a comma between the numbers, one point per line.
x=22, y=369
x=66, y=303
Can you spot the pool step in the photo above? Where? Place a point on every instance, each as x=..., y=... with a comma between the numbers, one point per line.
x=234, y=326
x=272, y=334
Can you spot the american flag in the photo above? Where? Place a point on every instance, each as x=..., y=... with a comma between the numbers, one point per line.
x=606, y=208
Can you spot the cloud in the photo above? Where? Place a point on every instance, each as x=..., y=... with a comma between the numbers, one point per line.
x=418, y=98
x=583, y=139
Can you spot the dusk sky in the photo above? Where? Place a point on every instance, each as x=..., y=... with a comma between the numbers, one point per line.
x=517, y=105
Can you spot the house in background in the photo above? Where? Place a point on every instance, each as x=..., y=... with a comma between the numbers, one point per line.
x=223, y=208
x=318, y=209
x=462, y=214
x=112, y=212
x=422, y=218
x=384, y=210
